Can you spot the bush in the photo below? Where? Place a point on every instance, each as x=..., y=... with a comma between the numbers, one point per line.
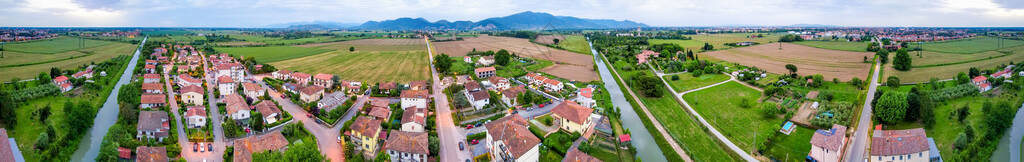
x=675, y=77
x=769, y=109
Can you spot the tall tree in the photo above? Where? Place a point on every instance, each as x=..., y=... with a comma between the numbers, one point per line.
x=891, y=107
x=792, y=69
x=883, y=56
x=902, y=61
x=502, y=57
x=443, y=63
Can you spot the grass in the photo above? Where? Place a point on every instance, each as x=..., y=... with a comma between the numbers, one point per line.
x=916, y=75
x=575, y=43
x=718, y=40
x=272, y=53
x=836, y=45
x=54, y=45
x=968, y=46
x=720, y=106
x=793, y=147
x=364, y=66
x=281, y=40
x=34, y=64
x=687, y=81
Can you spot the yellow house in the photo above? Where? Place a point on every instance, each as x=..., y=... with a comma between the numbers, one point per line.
x=365, y=132
x=192, y=95
x=572, y=117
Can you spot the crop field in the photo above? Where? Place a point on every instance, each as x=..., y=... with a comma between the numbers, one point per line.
x=28, y=65
x=54, y=45
x=947, y=65
x=373, y=45
x=568, y=65
x=272, y=53
x=720, y=106
x=548, y=39
x=717, y=40
x=576, y=43
x=837, y=45
x=844, y=65
x=967, y=46
x=687, y=81
x=372, y=66
x=281, y=41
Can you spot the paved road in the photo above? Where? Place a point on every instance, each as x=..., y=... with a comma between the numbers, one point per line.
x=448, y=134
x=327, y=138
x=219, y=144
x=859, y=145
x=89, y=147
x=529, y=114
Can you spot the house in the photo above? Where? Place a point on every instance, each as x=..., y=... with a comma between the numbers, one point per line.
x=535, y=79
x=124, y=153
x=153, y=125
x=982, y=82
x=271, y=113
x=253, y=90
x=150, y=78
x=510, y=96
x=364, y=133
x=151, y=62
x=485, y=60
x=245, y=147
x=311, y=94
x=83, y=74
x=183, y=68
x=236, y=107
x=233, y=70
x=585, y=97
x=414, y=98
x=149, y=69
x=226, y=85
x=604, y=128
x=282, y=74
x=419, y=85
x=192, y=95
x=150, y=154
x=478, y=99
x=576, y=155
x=828, y=144
x=472, y=86
x=553, y=85
x=323, y=80
x=152, y=100
x=467, y=59
x=414, y=119
x=407, y=146
x=293, y=88
x=484, y=72
x=498, y=83
x=9, y=148
x=185, y=80
x=331, y=101
x=900, y=145
x=645, y=55
x=352, y=86
x=196, y=116
x=387, y=87
x=509, y=139
x=301, y=78
x=1006, y=73
x=573, y=117
x=380, y=112
x=152, y=88
x=63, y=83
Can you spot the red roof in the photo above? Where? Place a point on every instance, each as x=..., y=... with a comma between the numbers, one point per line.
x=151, y=86
x=224, y=79
x=151, y=76
x=979, y=78
x=322, y=76
x=124, y=153
x=484, y=69
x=587, y=92
x=191, y=88
x=624, y=138
x=195, y=111
x=153, y=99
x=59, y=79
x=572, y=112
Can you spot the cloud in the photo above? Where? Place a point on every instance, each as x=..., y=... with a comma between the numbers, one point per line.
x=258, y=13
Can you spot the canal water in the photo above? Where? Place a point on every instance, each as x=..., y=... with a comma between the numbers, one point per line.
x=107, y=116
x=646, y=149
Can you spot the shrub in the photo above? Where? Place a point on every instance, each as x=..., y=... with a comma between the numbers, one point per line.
x=675, y=77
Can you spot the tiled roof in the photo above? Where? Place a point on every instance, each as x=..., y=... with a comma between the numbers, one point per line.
x=497, y=79
x=267, y=107
x=151, y=154
x=380, y=112
x=235, y=103
x=322, y=76
x=831, y=139
x=379, y=102
x=245, y=147
x=61, y=78
x=572, y=112
x=152, y=86
x=312, y=89
x=150, y=76
x=578, y=156
x=587, y=92
x=387, y=86
x=153, y=99
x=472, y=85
x=366, y=126
x=480, y=95
x=513, y=131
x=300, y=75
x=414, y=115
x=188, y=79
x=513, y=92
x=195, y=111
x=979, y=78
x=122, y=152
x=419, y=84
x=898, y=142
x=252, y=86
x=152, y=121
x=224, y=79
x=409, y=142
x=6, y=152
x=421, y=94
x=484, y=69
x=192, y=88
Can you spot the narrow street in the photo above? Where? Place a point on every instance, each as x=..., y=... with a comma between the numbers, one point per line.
x=219, y=143
x=447, y=132
x=327, y=138
x=859, y=143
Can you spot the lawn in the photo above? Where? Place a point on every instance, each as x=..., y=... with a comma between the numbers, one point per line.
x=687, y=82
x=26, y=66
x=793, y=147
x=720, y=106
x=54, y=45
x=372, y=66
x=272, y=53
x=575, y=43
x=717, y=40
x=968, y=46
x=946, y=128
x=837, y=45
x=949, y=71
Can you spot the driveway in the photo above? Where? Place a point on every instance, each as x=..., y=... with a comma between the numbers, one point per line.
x=529, y=114
x=326, y=137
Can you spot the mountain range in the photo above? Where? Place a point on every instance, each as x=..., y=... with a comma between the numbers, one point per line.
x=519, y=21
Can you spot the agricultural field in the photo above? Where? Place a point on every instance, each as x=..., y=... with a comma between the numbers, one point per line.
x=718, y=40
x=29, y=65
x=722, y=106
x=687, y=82
x=837, y=45
x=575, y=43
x=843, y=65
x=260, y=39
x=968, y=46
x=378, y=65
x=54, y=45
x=567, y=65
x=272, y=53
x=373, y=45
x=947, y=65
x=947, y=128
x=548, y=39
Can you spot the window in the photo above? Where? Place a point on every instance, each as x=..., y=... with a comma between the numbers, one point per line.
x=920, y=154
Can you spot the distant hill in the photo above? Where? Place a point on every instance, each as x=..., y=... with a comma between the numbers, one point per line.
x=314, y=25
x=520, y=21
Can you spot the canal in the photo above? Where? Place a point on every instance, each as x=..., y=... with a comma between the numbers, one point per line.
x=107, y=116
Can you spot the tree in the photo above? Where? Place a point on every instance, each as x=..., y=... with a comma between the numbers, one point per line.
x=54, y=72
x=891, y=107
x=384, y=157
x=892, y=81
x=443, y=63
x=707, y=47
x=502, y=57
x=649, y=86
x=790, y=38
x=675, y=77
x=43, y=77
x=257, y=120
x=902, y=60
x=883, y=56
x=556, y=40
x=351, y=49
x=792, y=69
x=914, y=104
x=769, y=109
x=434, y=144
x=974, y=72
x=856, y=82
x=962, y=78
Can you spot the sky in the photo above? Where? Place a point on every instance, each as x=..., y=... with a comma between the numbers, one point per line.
x=261, y=13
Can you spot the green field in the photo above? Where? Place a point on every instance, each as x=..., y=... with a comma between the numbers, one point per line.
x=687, y=81
x=282, y=41
x=837, y=45
x=719, y=105
x=717, y=40
x=54, y=45
x=28, y=65
x=271, y=53
x=946, y=128
x=371, y=66
x=945, y=66
x=793, y=147
x=575, y=43
x=968, y=46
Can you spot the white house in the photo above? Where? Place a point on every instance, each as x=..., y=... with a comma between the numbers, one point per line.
x=153, y=125
x=509, y=139
x=234, y=70
x=585, y=97
x=828, y=144
x=271, y=113
x=253, y=90
x=226, y=85
x=900, y=145
x=414, y=119
x=414, y=98
x=196, y=116
x=478, y=99
x=573, y=117
x=407, y=146
x=236, y=107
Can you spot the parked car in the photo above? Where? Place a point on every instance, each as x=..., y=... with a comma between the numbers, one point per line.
x=308, y=115
x=339, y=139
x=202, y=149
x=209, y=147
x=475, y=142
x=195, y=147
x=462, y=146
x=469, y=126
